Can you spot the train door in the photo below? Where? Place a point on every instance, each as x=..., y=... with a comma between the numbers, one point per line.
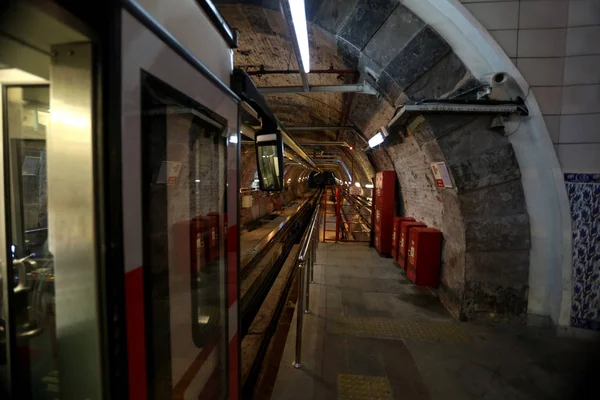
x=180, y=183
x=49, y=336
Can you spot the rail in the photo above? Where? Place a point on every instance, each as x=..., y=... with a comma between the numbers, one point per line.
x=306, y=261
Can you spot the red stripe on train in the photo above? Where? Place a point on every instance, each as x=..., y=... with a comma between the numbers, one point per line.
x=136, y=335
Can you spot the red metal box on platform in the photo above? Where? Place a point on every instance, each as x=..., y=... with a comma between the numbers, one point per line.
x=385, y=187
x=403, y=240
x=396, y=234
x=424, y=256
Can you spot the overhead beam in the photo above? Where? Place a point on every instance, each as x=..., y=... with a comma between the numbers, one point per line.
x=287, y=15
x=318, y=128
x=364, y=88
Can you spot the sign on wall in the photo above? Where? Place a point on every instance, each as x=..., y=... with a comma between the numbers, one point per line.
x=441, y=174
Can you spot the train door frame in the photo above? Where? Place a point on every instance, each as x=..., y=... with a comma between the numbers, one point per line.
x=83, y=57
x=157, y=42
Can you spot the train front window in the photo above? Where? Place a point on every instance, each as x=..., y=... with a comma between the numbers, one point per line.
x=185, y=232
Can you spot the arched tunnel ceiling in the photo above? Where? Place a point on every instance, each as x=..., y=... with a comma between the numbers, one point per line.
x=403, y=58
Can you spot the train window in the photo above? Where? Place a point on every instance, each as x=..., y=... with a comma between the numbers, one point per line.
x=185, y=259
x=269, y=158
x=27, y=119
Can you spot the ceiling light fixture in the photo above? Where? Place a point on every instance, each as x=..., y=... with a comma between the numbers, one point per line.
x=378, y=138
x=299, y=21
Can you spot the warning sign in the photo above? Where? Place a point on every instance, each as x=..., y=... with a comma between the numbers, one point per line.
x=168, y=173
x=441, y=175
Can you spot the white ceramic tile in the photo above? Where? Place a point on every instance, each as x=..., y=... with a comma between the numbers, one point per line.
x=549, y=99
x=581, y=70
x=507, y=40
x=542, y=42
x=553, y=125
x=581, y=158
x=543, y=14
x=583, y=40
x=584, y=12
x=496, y=15
x=584, y=128
x=583, y=99
x=542, y=71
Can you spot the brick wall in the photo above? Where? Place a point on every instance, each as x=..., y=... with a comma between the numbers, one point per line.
x=419, y=197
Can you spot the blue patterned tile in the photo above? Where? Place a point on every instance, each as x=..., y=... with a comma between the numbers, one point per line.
x=584, y=197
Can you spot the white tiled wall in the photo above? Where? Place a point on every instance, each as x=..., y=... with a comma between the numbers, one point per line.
x=556, y=46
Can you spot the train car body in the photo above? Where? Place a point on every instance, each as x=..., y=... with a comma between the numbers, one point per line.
x=138, y=208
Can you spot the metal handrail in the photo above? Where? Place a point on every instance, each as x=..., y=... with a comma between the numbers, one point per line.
x=306, y=260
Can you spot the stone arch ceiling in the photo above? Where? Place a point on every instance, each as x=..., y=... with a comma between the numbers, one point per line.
x=393, y=49
x=484, y=218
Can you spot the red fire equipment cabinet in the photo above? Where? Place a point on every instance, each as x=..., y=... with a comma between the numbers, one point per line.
x=424, y=256
x=211, y=225
x=396, y=234
x=403, y=240
x=385, y=188
x=190, y=239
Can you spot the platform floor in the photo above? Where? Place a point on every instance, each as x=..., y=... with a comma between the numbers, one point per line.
x=372, y=334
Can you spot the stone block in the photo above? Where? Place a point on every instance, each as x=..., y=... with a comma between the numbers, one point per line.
x=452, y=274
x=488, y=301
x=492, y=167
x=393, y=35
x=451, y=203
x=433, y=152
x=471, y=139
x=365, y=63
x=503, y=268
x=443, y=124
x=417, y=57
x=333, y=14
x=388, y=88
x=258, y=20
x=420, y=130
x=442, y=78
x=494, y=201
x=509, y=232
x=348, y=53
x=453, y=227
x=365, y=20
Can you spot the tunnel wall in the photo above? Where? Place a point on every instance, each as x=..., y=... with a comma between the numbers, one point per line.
x=555, y=46
x=484, y=220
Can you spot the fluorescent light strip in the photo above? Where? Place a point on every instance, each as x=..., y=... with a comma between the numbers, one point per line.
x=376, y=140
x=299, y=21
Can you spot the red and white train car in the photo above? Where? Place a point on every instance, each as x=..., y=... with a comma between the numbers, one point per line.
x=138, y=164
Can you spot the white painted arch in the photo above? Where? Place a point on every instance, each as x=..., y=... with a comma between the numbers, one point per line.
x=550, y=270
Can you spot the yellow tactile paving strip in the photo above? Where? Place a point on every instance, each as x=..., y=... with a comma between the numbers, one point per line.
x=363, y=387
x=428, y=331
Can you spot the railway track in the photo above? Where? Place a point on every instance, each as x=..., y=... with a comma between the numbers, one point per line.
x=267, y=273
